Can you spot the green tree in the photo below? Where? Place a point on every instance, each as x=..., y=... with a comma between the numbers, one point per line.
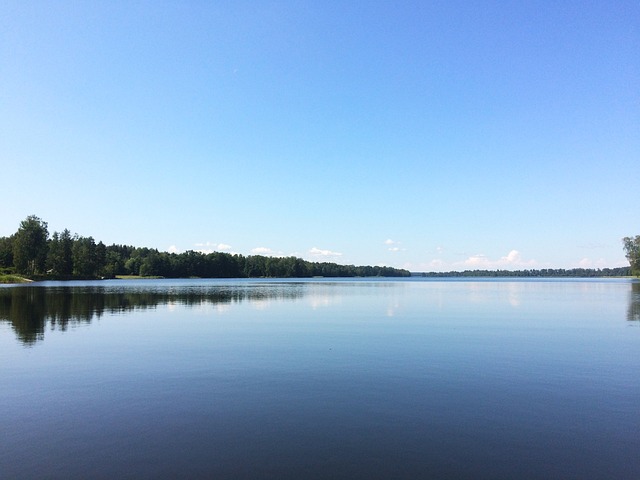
x=6, y=252
x=60, y=256
x=66, y=253
x=84, y=256
x=632, y=252
x=132, y=265
x=30, y=246
x=115, y=258
x=53, y=254
x=255, y=266
x=101, y=258
x=155, y=264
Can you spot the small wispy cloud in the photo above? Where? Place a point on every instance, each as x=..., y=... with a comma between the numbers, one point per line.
x=512, y=260
x=318, y=252
x=267, y=252
x=393, y=245
x=477, y=260
x=210, y=247
x=589, y=263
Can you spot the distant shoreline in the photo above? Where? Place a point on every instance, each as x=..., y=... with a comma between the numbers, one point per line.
x=560, y=273
x=619, y=272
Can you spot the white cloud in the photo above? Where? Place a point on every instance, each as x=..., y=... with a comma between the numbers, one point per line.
x=267, y=252
x=512, y=260
x=317, y=252
x=173, y=249
x=585, y=263
x=393, y=245
x=210, y=247
x=588, y=263
x=477, y=261
x=513, y=256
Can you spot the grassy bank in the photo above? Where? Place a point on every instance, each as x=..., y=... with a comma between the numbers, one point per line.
x=13, y=279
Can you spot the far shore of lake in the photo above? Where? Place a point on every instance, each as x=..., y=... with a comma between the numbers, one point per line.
x=13, y=279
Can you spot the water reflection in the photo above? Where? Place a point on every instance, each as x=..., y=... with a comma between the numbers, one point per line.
x=340, y=379
x=29, y=309
x=633, y=311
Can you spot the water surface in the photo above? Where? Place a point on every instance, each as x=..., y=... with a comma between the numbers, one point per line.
x=320, y=379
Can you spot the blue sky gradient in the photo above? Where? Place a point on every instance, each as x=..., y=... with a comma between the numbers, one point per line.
x=424, y=135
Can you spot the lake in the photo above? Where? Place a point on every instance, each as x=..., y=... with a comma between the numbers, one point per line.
x=351, y=378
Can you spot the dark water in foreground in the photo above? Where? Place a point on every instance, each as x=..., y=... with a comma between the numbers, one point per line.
x=321, y=379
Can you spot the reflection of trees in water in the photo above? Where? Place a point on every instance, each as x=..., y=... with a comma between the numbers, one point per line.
x=28, y=309
x=633, y=311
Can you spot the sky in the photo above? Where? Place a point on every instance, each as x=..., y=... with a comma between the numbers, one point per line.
x=430, y=135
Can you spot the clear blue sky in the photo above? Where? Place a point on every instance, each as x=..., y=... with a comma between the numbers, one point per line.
x=426, y=135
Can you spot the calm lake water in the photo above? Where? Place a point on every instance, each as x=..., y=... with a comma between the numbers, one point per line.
x=486, y=379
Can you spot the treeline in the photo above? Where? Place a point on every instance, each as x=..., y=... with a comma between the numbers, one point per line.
x=32, y=252
x=544, y=272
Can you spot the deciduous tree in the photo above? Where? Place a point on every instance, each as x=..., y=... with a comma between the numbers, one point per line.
x=632, y=252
